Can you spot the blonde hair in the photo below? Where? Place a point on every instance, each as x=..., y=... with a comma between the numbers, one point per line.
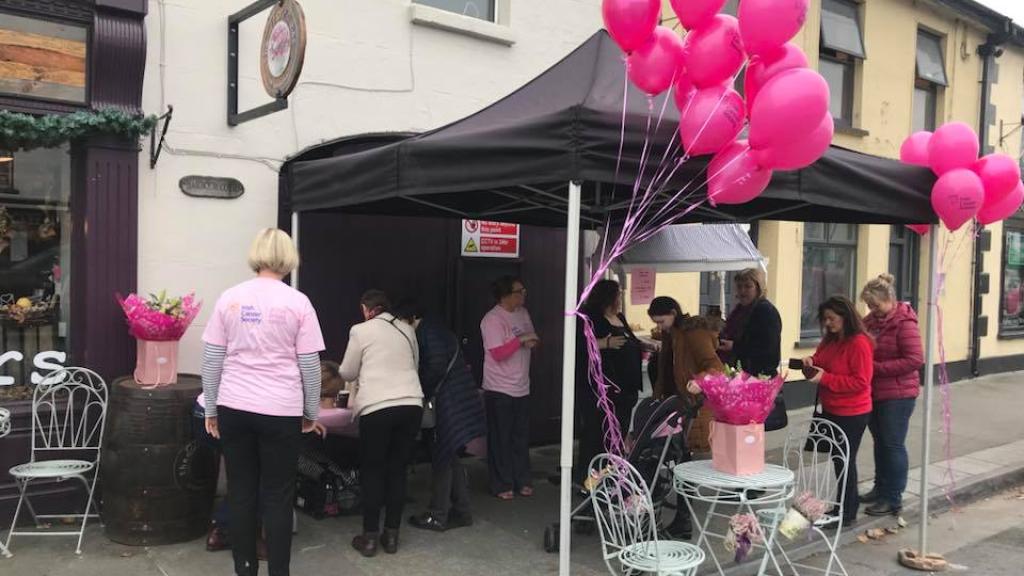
x=753, y=275
x=273, y=250
x=880, y=289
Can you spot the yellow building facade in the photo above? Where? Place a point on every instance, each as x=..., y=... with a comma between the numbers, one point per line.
x=894, y=67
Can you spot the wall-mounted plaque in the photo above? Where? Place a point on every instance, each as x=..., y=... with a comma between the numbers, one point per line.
x=211, y=187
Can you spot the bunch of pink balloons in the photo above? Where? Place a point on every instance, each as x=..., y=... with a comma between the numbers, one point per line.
x=988, y=188
x=787, y=104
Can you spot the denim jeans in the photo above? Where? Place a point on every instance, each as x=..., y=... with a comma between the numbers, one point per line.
x=889, y=423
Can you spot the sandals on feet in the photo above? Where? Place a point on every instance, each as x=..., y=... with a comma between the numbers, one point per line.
x=526, y=491
x=506, y=495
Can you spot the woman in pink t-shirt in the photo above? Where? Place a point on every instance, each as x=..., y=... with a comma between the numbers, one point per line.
x=261, y=385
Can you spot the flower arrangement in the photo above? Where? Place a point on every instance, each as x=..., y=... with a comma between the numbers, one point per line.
x=159, y=318
x=736, y=397
x=806, y=510
x=744, y=532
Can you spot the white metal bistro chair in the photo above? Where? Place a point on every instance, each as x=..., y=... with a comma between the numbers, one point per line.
x=69, y=410
x=820, y=459
x=628, y=526
x=5, y=429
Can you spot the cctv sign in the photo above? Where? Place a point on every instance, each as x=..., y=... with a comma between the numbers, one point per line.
x=483, y=238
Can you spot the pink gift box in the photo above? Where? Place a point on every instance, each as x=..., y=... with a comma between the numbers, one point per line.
x=156, y=363
x=737, y=449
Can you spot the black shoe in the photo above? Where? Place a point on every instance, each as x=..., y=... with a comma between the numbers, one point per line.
x=366, y=544
x=681, y=528
x=834, y=523
x=459, y=519
x=427, y=521
x=389, y=540
x=870, y=497
x=882, y=509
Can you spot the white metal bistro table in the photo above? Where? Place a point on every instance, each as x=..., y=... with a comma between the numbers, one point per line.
x=771, y=489
x=5, y=429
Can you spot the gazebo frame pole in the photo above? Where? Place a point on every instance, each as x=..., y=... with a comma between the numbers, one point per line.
x=929, y=379
x=295, y=239
x=572, y=258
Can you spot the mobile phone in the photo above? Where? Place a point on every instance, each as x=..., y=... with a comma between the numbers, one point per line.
x=796, y=364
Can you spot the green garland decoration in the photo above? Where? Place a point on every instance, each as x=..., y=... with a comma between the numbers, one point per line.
x=25, y=132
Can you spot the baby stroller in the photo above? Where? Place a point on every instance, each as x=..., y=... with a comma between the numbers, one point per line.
x=654, y=446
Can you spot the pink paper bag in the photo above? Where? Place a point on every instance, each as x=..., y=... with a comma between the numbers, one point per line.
x=156, y=363
x=737, y=450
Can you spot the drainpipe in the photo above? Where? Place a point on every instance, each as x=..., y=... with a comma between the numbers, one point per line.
x=988, y=51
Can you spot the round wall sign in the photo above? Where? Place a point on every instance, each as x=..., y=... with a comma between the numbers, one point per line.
x=283, y=49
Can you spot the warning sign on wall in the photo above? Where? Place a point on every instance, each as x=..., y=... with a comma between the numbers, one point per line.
x=484, y=238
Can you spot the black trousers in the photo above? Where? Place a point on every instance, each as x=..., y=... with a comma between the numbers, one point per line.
x=854, y=427
x=508, y=441
x=450, y=490
x=387, y=438
x=261, y=453
x=592, y=426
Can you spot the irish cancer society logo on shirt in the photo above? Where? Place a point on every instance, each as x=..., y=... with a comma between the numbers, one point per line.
x=251, y=315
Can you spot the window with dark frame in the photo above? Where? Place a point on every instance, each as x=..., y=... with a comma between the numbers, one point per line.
x=829, y=269
x=1011, y=308
x=904, y=259
x=929, y=78
x=45, y=59
x=842, y=46
x=481, y=9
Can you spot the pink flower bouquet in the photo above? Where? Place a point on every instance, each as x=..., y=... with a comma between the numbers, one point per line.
x=736, y=397
x=159, y=318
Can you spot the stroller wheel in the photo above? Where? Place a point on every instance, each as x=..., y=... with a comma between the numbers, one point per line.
x=551, y=538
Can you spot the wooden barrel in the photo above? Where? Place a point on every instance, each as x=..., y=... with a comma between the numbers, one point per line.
x=158, y=482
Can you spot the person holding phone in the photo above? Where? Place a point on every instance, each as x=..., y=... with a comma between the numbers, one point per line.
x=842, y=367
x=622, y=363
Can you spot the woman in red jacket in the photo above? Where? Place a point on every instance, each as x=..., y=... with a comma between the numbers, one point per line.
x=842, y=368
x=894, y=389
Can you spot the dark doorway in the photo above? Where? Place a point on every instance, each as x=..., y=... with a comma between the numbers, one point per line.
x=904, y=255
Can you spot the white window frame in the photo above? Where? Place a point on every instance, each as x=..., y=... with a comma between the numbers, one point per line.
x=500, y=31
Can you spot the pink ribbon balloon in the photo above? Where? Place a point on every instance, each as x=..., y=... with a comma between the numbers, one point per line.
x=789, y=107
x=1003, y=208
x=799, y=153
x=914, y=149
x=921, y=229
x=693, y=13
x=734, y=176
x=957, y=197
x=714, y=118
x=766, y=25
x=630, y=22
x=954, y=145
x=999, y=173
x=653, y=66
x=714, y=52
x=764, y=67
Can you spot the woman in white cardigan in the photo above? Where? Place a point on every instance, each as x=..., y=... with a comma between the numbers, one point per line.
x=383, y=358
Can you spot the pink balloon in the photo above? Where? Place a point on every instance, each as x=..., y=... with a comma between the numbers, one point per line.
x=954, y=145
x=764, y=67
x=799, y=153
x=914, y=149
x=714, y=52
x=714, y=119
x=630, y=22
x=999, y=173
x=693, y=13
x=921, y=229
x=789, y=107
x=767, y=24
x=1003, y=208
x=653, y=66
x=682, y=91
x=957, y=197
x=734, y=177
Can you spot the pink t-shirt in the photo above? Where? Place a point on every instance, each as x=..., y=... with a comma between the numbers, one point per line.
x=265, y=325
x=512, y=375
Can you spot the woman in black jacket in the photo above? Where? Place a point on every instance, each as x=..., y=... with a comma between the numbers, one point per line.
x=447, y=383
x=622, y=363
x=752, y=338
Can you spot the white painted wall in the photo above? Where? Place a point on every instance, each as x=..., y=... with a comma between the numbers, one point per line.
x=368, y=68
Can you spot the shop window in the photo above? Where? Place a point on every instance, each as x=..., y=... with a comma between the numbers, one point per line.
x=842, y=46
x=930, y=78
x=1011, y=312
x=35, y=257
x=829, y=269
x=904, y=257
x=43, y=59
x=482, y=9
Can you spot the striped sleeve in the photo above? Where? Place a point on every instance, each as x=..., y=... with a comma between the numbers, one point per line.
x=213, y=366
x=309, y=366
